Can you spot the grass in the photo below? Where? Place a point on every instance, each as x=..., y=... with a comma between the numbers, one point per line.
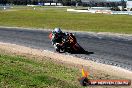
x=51, y=17
x=21, y=72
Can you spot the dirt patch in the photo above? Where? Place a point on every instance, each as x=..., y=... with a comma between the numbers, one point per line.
x=97, y=70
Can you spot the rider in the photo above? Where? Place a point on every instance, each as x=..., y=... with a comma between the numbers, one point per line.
x=57, y=37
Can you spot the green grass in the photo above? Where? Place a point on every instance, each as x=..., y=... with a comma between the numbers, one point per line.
x=20, y=72
x=50, y=17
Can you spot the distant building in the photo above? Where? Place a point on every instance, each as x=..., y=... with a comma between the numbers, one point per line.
x=129, y=5
x=102, y=0
x=103, y=3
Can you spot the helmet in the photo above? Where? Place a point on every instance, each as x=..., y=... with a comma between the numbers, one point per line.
x=57, y=30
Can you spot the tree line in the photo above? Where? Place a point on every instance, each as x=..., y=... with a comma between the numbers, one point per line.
x=64, y=2
x=35, y=2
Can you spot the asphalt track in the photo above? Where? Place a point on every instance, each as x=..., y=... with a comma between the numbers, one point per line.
x=102, y=49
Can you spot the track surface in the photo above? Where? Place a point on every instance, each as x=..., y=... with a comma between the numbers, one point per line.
x=108, y=50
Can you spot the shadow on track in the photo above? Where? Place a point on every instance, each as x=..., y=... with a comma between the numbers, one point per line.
x=79, y=51
x=83, y=52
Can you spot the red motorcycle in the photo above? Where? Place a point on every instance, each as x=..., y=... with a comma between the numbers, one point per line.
x=69, y=44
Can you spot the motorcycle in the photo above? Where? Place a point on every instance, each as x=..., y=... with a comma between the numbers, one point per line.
x=69, y=44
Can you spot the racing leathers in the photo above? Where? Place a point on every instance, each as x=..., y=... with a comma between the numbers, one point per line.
x=57, y=39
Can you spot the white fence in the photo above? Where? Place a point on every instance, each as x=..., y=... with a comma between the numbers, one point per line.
x=4, y=7
x=122, y=12
x=102, y=11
